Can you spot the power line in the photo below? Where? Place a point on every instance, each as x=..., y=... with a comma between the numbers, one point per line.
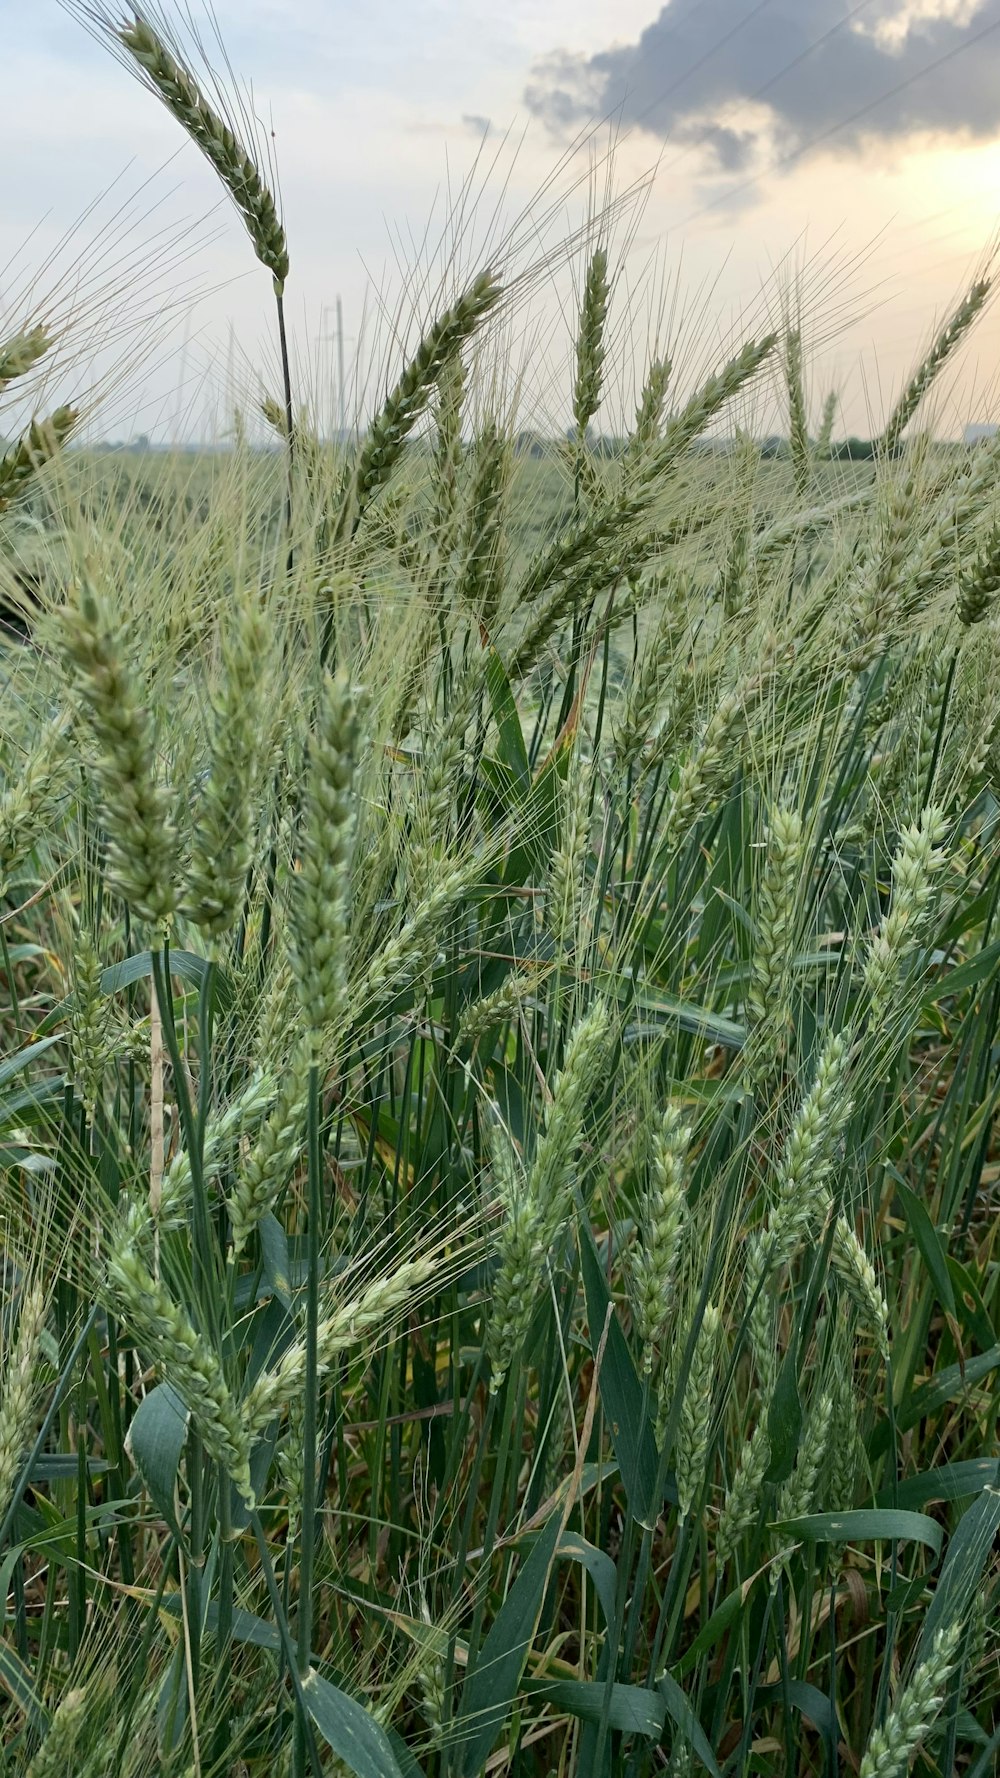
x=795, y=154
x=772, y=80
x=720, y=43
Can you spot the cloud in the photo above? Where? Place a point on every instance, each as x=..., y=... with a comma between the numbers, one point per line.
x=740, y=81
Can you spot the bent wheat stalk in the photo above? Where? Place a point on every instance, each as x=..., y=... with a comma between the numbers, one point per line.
x=167, y=76
x=163, y=70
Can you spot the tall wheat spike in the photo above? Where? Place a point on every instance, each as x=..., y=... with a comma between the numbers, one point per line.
x=948, y=339
x=649, y=412
x=232, y=159
x=149, y=47
x=590, y=343
x=798, y=430
x=403, y=407
x=824, y=437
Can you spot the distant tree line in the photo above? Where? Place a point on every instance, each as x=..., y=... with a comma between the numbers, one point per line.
x=851, y=450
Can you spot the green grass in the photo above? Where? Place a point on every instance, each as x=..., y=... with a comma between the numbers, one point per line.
x=499, y=984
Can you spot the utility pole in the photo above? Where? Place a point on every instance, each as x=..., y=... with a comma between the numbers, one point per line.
x=340, y=417
x=341, y=391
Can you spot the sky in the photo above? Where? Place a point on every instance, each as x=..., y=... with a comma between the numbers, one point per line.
x=837, y=157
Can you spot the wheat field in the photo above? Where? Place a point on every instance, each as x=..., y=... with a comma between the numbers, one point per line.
x=499, y=983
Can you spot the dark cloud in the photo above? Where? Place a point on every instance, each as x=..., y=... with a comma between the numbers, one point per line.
x=730, y=149
x=810, y=69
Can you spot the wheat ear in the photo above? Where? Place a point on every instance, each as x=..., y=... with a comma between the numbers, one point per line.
x=742, y=1502
x=389, y=431
x=28, y=804
x=222, y=830
x=891, y=1747
x=824, y=437
x=232, y=160
x=919, y=857
x=590, y=343
x=798, y=430
x=20, y=1388
x=56, y=1755
x=660, y=1227
x=979, y=583
x=535, y=1207
x=480, y=581
x=697, y=1411
x=343, y=1325
x=706, y=402
x=42, y=441
x=183, y=1356
x=950, y=336
x=141, y=837
x=649, y=412
x=20, y=352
